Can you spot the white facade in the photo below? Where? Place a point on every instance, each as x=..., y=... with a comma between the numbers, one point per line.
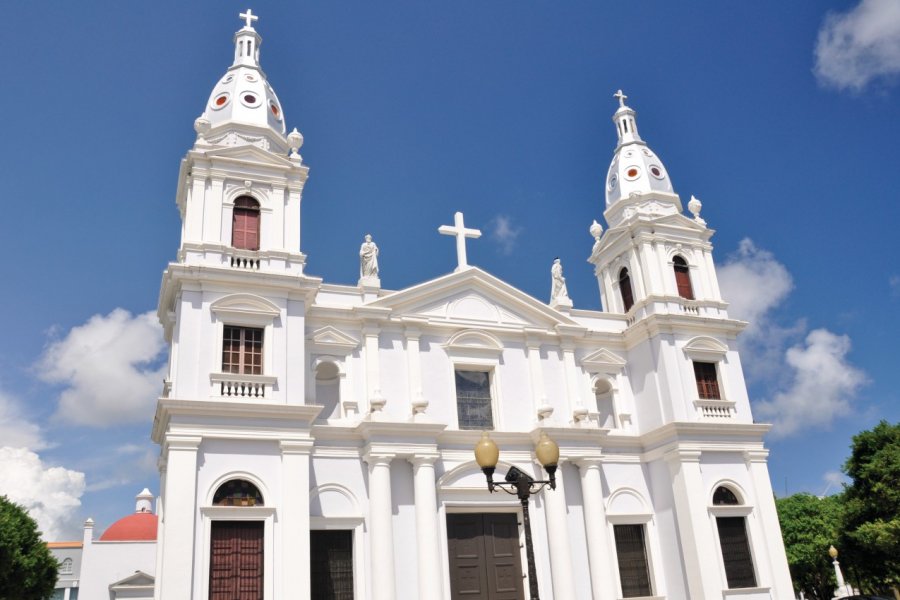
x=352, y=421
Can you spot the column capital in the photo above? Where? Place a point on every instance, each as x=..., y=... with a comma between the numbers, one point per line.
x=586, y=463
x=760, y=455
x=296, y=446
x=374, y=459
x=419, y=459
x=682, y=455
x=183, y=442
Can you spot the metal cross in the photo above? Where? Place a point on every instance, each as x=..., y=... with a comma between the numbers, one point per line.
x=459, y=230
x=249, y=17
x=621, y=98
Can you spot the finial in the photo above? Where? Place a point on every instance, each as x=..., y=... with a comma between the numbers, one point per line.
x=694, y=206
x=596, y=229
x=295, y=140
x=249, y=17
x=621, y=98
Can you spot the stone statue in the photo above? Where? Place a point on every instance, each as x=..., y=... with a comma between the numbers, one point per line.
x=558, y=291
x=368, y=259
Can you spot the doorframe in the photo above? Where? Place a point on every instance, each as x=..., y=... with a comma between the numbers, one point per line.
x=355, y=526
x=266, y=514
x=462, y=507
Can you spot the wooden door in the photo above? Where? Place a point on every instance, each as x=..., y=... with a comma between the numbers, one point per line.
x=484, y=556
x=236, y=560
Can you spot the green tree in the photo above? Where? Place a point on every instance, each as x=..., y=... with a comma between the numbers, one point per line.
x=871, y=527
x=27, y=569
x=809, y=525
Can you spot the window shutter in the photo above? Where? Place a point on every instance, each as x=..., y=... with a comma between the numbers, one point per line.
x=245, y=224
x=707, y=381
x=683, y=278
x=736, y=552
x=634, y=572
x=625, y=289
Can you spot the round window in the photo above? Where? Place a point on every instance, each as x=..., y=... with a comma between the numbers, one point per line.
x=656, y=172
x=632, y=173
x=612, y=182
x=220, y=101
x=250, y=99
x=250, y=77
x=275, y=110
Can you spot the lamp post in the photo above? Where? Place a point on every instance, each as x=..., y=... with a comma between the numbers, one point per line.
x=842, y=588
x=520, y=484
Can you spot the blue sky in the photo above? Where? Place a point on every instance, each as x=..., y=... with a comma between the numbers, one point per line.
x=783, y=118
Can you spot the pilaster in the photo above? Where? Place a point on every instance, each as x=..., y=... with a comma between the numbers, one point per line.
x=174, y=576
x=538, y=395
x=295, y=556
x=558, y=538
x=697, y=543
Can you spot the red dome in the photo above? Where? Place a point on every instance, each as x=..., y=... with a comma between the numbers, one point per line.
x=138, y=527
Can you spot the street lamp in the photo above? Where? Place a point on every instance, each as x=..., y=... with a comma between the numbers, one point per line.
x=520, y=484
x=842, y=587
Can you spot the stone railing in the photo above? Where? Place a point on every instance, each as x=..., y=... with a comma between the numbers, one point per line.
x=690, y=307
x=233, y=385
x=715, y=410
x=243, y=259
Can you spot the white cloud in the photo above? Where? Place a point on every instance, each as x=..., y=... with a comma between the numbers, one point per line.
x=505, y=233
x=50, y=494
x=859, y=46
x=15, y=429
x=824, y=384
x=109, y=367
x=810, y=383
x=894, y=284
x=127, y=464
x=754, y=283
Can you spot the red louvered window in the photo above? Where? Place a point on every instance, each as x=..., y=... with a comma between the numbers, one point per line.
x=236, y=560
x=245, y=224
x=242, y=350
x=625, y=289
x=683, y=278
x=707, y=380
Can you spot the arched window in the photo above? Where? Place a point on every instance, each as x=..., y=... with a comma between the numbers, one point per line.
x=733, y=540
x=625, y=289
x=603, y=393
x=683, y=278
x=65, y=567
x=328, y=390
x=238, y=492
x=245, y=224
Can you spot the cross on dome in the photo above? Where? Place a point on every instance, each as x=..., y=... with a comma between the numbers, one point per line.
x=622, y=97
x=249, y=17
x=458, y=229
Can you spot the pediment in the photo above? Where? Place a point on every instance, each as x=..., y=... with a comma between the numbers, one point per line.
x=248, y=152
x=680, y=220
x=603, y=360
x=331, y=338
x=139, y=579
x=249, y=304
x=473, y=297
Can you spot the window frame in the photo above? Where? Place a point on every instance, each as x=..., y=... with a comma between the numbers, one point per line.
x=705, y=385
x=627, y=506
x=243, y=351
x=647, y=562
x=492, y=389
x=625, y=304
x=683, y=268
x=234, y=214
x=741, y=510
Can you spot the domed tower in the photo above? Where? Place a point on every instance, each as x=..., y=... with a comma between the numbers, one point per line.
x=653, y=258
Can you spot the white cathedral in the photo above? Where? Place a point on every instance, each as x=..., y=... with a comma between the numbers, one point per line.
x=316, y=440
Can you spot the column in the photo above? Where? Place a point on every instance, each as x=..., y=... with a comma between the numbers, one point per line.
x=161, y=516
x=768, y=516
x=694, y=528
x=294, y=520
x=174, y=574
x=212, y=209
x=381, y=532
x=193, y=214
x=428, y=542
x=600, y=559
x=276, y=231
x=538, y=397
x=714, y=291
x=655, y=276
x=558, y=539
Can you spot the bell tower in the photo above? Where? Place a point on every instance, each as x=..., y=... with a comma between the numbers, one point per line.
x=653, y=258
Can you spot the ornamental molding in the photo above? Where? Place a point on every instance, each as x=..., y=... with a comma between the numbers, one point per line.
x=705, y=348
x=332, y=340
x=603, y=361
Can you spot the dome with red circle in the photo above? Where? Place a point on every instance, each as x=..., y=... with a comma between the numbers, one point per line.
x=139, y=527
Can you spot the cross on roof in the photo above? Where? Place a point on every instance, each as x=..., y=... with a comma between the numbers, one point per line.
x=249, y=17
x=621, y=98
x=459, y=230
